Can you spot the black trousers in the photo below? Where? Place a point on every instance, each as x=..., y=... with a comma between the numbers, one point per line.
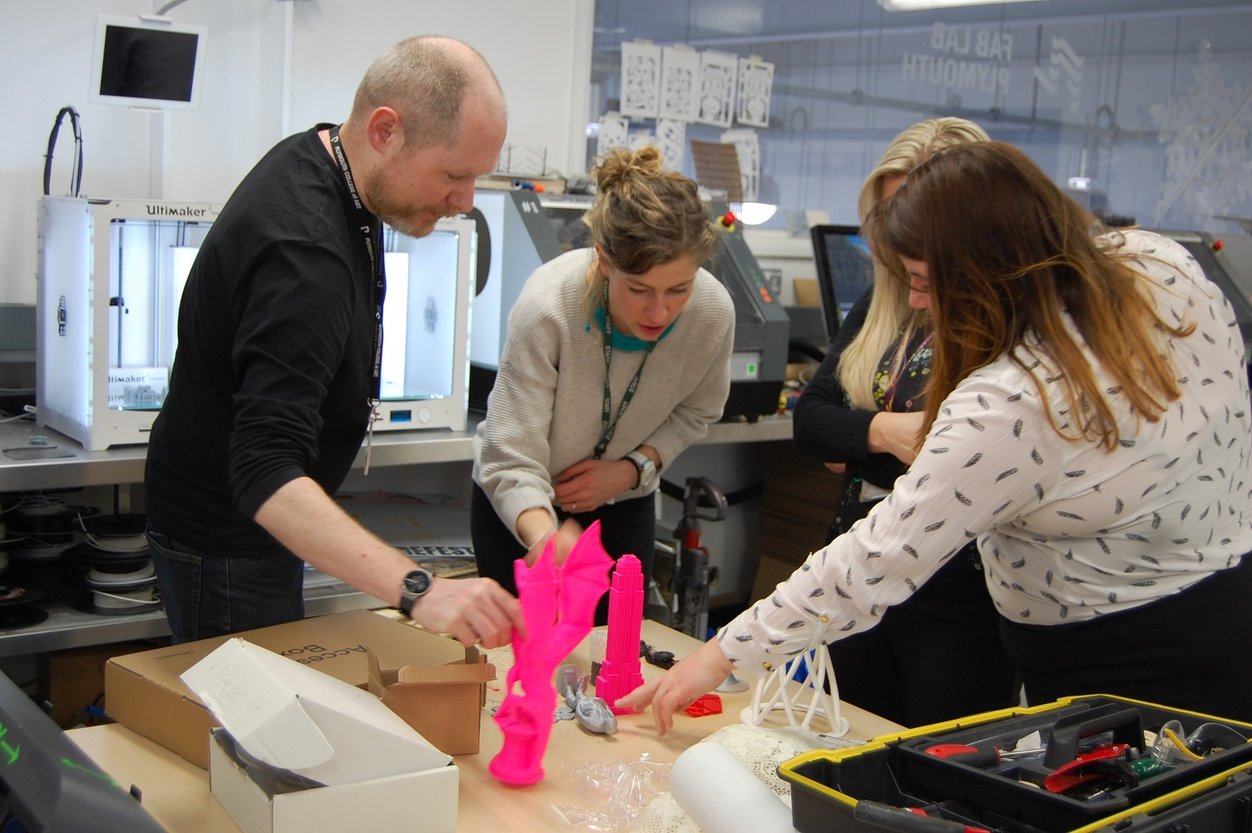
x=1189, y=650
x=935, y=657
x=626, y=527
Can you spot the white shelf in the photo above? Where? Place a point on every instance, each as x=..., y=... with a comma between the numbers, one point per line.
x=33, y=458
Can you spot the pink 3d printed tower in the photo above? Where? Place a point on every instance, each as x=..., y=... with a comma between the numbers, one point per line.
x=559, y=607
x=619, y=673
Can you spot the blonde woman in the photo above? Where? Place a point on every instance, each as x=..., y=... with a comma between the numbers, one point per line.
x=938, y=655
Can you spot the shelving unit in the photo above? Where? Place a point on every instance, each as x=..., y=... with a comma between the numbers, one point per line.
x=34, y=458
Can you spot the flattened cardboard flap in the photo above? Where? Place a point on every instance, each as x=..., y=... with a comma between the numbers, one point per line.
x=436, y=674
x=442, y=702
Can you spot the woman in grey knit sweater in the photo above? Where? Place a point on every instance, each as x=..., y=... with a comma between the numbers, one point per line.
x=617, y=359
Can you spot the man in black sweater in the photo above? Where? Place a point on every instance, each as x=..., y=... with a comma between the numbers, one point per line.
x=279, y=338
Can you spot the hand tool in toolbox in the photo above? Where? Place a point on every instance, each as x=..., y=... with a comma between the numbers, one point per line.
x=1111, y=760
x=908, y=819
x=988, y=756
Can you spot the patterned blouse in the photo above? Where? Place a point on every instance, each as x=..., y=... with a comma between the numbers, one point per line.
x=1067, y=530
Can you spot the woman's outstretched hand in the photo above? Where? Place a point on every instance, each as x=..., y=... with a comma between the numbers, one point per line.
x=679, y=687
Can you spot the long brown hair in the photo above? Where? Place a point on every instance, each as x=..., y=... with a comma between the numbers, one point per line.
x=1008, y=254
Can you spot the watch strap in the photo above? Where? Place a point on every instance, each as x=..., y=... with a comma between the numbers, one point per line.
x=645, y=467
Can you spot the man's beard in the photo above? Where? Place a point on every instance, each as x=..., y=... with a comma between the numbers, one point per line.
x=396, y=214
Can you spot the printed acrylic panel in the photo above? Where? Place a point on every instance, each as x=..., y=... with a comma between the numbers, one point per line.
x=717, y=87
x=641, y=80
x=671, y=138
x=680, y=68
x=756, y=80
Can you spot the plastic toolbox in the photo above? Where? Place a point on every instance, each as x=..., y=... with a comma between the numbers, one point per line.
x=1209, y=793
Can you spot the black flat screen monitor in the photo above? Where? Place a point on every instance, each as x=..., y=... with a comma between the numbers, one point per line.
x=49, y=784
x=147, y=63
x=845, y=269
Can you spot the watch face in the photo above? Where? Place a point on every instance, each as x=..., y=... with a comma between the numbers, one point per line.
x=417, y=582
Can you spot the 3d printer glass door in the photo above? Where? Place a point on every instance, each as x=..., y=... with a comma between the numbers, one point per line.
x=149, y=261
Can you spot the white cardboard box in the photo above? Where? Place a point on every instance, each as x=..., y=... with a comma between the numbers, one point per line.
x=380, y=774
x=423, y=800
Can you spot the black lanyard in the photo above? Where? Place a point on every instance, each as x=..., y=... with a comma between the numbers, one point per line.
x=370, y=229
x=607, y=427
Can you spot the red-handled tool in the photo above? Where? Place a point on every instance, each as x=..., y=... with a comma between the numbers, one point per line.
x=1105, y=761
x=963, y=753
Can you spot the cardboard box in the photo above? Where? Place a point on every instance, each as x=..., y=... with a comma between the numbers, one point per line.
x=73, y=679
x=807, y=292
x=439, y=701
x=424, y=800
x=330, y=756
x=144, y=693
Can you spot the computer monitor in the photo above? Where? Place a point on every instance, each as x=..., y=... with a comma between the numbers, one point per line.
x=845, y=269
x=148, y=62
x=48, y=783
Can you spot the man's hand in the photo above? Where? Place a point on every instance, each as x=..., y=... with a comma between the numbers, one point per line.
x=474, y=610
x=678, y=687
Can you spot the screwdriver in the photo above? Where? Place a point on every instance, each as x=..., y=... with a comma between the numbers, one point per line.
x=963, y=753
x=907, y=820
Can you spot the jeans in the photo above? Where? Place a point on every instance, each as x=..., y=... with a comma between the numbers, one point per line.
x=211, y=595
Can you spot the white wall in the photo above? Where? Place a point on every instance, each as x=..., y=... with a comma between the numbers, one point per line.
x=540, y=51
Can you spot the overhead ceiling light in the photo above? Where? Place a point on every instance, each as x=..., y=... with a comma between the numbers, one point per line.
x=918, y=5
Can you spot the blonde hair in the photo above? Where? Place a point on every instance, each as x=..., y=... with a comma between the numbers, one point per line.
x=889, y=310
x=644, y=216
x=1011, y=270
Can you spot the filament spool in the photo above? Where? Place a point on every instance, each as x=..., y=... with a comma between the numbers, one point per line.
x=44, y=531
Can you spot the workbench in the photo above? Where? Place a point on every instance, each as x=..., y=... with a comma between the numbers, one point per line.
x=177, y=793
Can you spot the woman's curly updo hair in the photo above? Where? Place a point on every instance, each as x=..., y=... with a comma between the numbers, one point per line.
x=645, y=215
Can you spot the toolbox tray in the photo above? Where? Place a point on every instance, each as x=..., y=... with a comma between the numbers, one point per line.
x=896, y=770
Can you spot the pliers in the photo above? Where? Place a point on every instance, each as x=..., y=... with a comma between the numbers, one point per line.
x=1109, y=760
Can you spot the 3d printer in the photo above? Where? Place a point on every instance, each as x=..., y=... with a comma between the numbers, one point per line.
x=513, y=239
x=111, y=275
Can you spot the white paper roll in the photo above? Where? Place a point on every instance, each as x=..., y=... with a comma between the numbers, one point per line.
x=723, y=796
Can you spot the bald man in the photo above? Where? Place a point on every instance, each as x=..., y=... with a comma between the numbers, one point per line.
x=271, y=390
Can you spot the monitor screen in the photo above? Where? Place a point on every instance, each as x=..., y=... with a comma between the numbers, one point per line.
x=143, y=62
x=845, y=269
x=48, y=783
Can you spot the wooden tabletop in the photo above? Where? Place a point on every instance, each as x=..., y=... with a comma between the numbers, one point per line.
x=177, y=793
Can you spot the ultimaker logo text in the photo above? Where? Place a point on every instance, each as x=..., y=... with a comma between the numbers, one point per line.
x=176, y=211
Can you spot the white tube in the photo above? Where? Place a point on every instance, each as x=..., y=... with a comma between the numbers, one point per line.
x=723, y=796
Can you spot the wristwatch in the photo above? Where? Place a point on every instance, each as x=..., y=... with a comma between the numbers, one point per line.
x=416, y=585
x=647, y=469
